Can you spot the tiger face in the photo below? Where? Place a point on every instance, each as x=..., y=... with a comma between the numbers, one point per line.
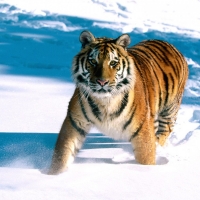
x=103, y=67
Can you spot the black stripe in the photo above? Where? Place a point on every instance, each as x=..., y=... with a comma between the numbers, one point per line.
x=85, y=74
x=163, y=50
x=155, y=53
x=166, y=87
x=130, y=119
x=143, y=81
x=123, y=65
x=162, y=125
x=173, y=53
x=173, y=81
x=164, y=75
x=136, y=132
x=75, y=126
x=125, y=81
x=81, y=79
x=98, y=46
x=121, y=108
x=160, y=93
x=112, y=48
x=105, y=46
x=165, y=58
x=161, y=132
x=143, y=52
x=82, y=63
x=166, y=110
x=77, y=62
x=140, y=56
x=95, y=110
x=155, y=126
x=156, y=121
x=83, y=109
x=128, y=67
x=164, y=122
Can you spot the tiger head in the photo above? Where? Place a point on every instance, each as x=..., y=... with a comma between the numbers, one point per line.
x=103, y=67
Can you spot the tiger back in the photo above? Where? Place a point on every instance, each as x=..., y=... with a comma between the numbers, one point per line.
x=127, y=93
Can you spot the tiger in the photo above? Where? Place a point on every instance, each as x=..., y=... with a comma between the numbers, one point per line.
x=130, y=94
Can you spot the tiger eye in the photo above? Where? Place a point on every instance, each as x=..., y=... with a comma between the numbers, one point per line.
x=93, y=61
x=113, y=63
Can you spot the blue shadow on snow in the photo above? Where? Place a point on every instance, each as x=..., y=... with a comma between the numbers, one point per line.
x=34, y=150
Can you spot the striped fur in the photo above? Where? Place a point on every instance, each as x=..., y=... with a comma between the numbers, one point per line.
x=127, y=93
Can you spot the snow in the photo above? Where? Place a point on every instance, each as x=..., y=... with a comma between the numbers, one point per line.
x=38, y=40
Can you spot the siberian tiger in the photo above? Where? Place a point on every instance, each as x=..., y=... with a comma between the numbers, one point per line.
x=132, y=94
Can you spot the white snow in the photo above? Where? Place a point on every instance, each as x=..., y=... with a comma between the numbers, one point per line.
x=33, y=102
x=179, y=16
x=38, y=40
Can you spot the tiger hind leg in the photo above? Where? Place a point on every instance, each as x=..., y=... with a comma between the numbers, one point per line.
x=163, y=133
x=166, y=121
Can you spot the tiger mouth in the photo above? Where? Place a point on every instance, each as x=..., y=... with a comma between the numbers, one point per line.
x=102, y=90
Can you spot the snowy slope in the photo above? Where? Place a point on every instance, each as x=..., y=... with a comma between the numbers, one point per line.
x=38, y=40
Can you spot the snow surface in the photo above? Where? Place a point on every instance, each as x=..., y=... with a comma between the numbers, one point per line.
x=38, y=40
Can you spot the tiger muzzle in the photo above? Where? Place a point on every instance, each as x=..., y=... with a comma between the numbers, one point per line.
x=102, y=82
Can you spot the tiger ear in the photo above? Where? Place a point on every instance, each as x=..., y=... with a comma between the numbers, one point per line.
x=123, y=40
x=86, y=38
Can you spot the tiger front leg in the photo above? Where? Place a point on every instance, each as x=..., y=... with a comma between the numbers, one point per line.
x=144, y=146
x=70, y=140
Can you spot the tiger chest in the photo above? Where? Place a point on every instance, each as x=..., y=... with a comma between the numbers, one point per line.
x=110, y=119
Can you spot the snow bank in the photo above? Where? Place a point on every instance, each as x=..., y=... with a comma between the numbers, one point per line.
x=122, y=15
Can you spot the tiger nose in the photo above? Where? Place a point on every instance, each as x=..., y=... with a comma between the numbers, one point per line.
x=102, y=82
